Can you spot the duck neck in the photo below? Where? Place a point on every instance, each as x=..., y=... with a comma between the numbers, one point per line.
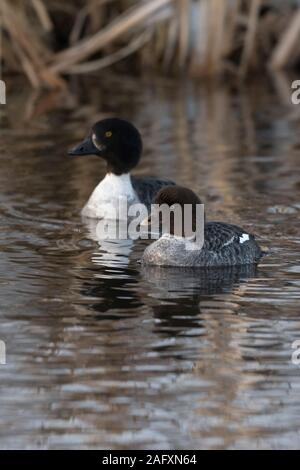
x=117, y=184
x=171, y=236
x=122, y=179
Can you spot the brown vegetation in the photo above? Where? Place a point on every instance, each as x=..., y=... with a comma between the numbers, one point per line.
x=47, y=40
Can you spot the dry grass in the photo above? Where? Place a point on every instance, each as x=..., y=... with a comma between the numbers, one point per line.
x=47, y=40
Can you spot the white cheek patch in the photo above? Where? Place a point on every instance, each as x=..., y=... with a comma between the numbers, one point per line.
x=244, y=238
x=94, y=140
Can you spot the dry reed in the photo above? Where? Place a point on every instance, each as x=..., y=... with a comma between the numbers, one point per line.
x=47, y=40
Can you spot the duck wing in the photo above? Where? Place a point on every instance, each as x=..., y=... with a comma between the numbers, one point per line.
x=230, y=244
x=219, y=235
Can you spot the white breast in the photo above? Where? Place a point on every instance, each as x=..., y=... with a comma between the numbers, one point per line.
x=104, y=201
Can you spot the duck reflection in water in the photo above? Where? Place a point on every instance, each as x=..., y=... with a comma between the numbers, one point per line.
x=114, y=251
x=175, y=294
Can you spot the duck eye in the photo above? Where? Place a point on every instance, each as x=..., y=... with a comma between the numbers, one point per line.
x=108, y=134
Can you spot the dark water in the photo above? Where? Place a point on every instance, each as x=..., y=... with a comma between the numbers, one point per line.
x=103, y=354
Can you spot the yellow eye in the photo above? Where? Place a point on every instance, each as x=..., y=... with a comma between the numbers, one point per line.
x=108, y=134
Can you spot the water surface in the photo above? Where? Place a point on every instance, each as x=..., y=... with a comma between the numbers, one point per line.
x=104, y=354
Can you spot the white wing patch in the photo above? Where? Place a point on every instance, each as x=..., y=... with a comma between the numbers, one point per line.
x=244, y=238
x=229, y=241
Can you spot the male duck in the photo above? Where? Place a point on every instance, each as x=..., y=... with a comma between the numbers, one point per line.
x=224, y=244
x=119, y=143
